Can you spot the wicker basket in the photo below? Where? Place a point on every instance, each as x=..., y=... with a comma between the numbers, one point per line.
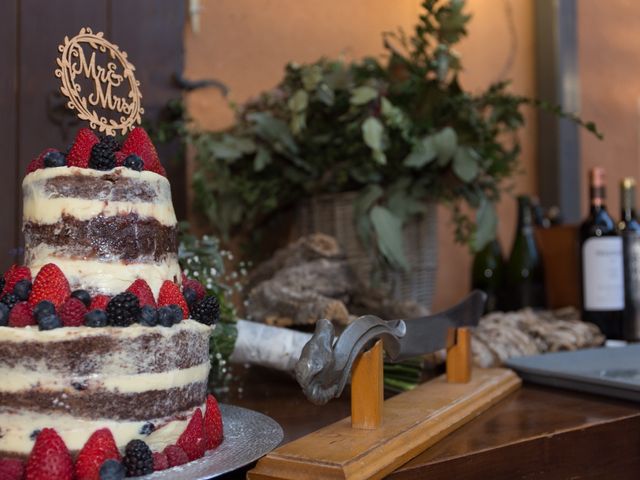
x=333, y=215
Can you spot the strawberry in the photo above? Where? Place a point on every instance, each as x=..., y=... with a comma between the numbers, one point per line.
x=140, y=288
x=50, y=284
x=160, y=462
x=14, y=275
x=213, y=430
x=175, y=456
x=192, y=439
x=38, y=162
x=11, y=469
x=138, y=142
x=196, y=286
x=80, y=152
x=21, y=315
x=72, y=312
x=170, y=294
x=99, y=302
x=49, y=458
x=100, y=447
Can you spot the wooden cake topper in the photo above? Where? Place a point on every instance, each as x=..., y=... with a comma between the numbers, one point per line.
x=110, y=88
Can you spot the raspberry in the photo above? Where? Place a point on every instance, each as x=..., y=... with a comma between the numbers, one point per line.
x=175, y=455
x=21, y=316
x=99, y=302
x=80, y=152
x=196, y=286
x=11, y=469
x=170, y=295
x=160, y=462
x=72, y=313
x=15, y=274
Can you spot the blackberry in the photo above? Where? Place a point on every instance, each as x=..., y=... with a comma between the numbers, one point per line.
x=206, y=311
x=2, y=283
x=103, y=154
x=55, y=159
x=123, y=310
x=134, y=162
x=190, y=296
x=112, y=469
x=43, y=308
x=147, y=429
x=4, y=315
x=22, y=289
x=49, y=322
x=83, y=296
x=9, y=299
x=138, y=459
x=148, y=316
x=169, y=315
x=96, y=319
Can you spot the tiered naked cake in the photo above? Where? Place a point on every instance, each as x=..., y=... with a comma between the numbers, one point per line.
x=100, y=330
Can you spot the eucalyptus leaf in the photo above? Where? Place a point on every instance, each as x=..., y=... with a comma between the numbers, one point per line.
x=372, y=133
x=465, y=164
x=326, y=95
x=445, y=142
x=388, y=230
x=273, y=130
x=262, y=158
x=423, y=152
x=311, y=77
x=361, y=206
x=298, y=101
x=362, y=95
x=486, y=221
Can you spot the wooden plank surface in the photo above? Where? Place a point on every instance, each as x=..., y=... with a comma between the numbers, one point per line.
x=412, y=421
x=8, y=131
x=367, y=391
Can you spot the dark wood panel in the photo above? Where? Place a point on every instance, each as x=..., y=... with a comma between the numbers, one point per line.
x=43, y=26
x=151, y=32
x=8, y=130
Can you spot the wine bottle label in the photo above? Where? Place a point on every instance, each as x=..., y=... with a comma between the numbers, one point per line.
x=603, y=274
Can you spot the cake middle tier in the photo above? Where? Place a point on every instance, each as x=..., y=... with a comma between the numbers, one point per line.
x=103, y=229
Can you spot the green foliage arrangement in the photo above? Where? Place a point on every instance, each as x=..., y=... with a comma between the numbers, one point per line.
x=400, y=131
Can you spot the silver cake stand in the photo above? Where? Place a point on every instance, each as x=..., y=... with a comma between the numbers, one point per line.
x=248, y=435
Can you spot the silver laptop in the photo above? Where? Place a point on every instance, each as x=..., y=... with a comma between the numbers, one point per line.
x=610, y=371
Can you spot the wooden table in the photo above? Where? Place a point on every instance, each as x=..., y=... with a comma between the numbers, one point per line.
x=536, y=433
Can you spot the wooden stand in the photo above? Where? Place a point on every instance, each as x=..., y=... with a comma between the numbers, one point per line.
x=370, y=445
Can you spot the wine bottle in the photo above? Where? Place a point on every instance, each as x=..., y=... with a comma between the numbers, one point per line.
x=487, y=274
x=601, y=262
x=629, y=229
x=524, y=272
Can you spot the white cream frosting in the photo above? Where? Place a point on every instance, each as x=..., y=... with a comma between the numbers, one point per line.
x=41, y=207
x=105, y=277
x=17, y=428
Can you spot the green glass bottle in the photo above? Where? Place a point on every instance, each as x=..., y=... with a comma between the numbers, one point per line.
x=487, y=274
x=524, y=272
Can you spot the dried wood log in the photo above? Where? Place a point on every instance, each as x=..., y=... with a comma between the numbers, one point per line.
x=501, y=335
x=303, y=250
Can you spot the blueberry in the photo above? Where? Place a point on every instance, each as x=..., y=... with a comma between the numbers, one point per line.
x=49, y=322
x=55, y=159
x=22, y=289
x=148, y=316
x=134, y=162
x=190, y=296
x=35, y=434
x=96, y=318
x=4, y=315
x=169, y=315
x=147, y=428
x=112, y=470
x=83, y=296
x=43, y=308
